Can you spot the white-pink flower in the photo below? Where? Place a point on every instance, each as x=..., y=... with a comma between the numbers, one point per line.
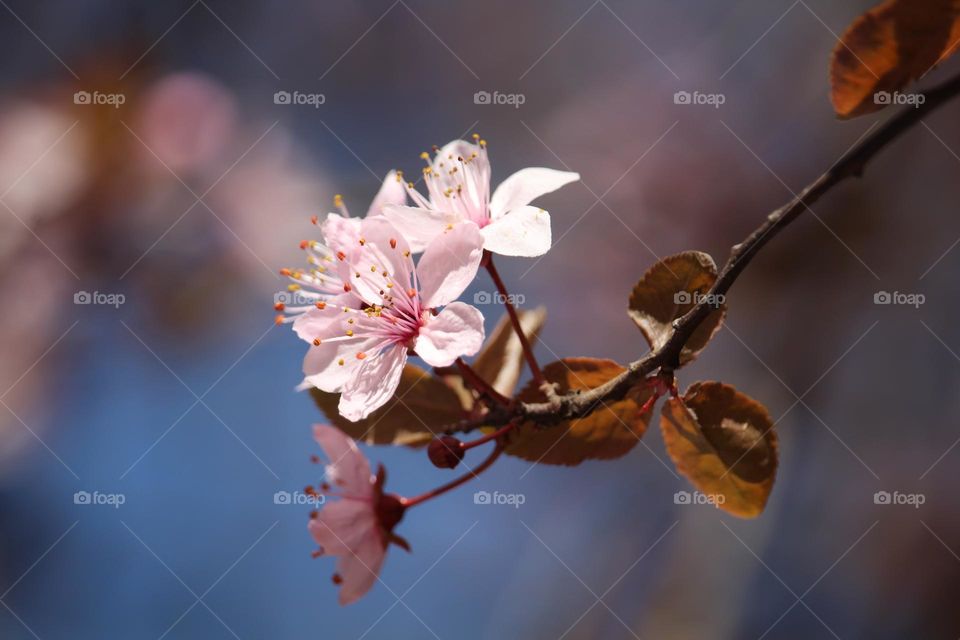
x=386, y=309
x=358, y=527
x=458, y=186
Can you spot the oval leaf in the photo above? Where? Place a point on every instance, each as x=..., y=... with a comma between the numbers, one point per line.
x=888, y=47
x=422, y=407
x=724, y=443
x=500, y=362
x=668, y=291
x=609, y=432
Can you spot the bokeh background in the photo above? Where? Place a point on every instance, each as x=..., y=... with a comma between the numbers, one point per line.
x=189, y=196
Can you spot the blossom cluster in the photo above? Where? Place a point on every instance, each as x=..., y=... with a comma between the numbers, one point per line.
x=366, y=305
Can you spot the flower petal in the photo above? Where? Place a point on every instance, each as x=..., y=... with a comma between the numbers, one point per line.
x=383, y=238
x=319, y=323
x=456, y=331
x=522, y=232
x=361, y=568
x=339, y=233
x=418, y=226
x=348, y=467
x=322, y=366
x=342, y=525
x=381, y=256
x=373, y=383
x=449, y=264
x=526, y=185
x=392, y=191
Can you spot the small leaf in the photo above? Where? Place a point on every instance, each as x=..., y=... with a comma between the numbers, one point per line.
x=668, y=291
x=888, y=47
x=500, y=362
x=423, y=406
x=609, y=432
x=724, y=443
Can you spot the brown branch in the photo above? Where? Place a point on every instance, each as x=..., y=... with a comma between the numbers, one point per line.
x=666, y=358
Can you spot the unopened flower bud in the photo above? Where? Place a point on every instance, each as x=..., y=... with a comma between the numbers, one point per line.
x=445, y=452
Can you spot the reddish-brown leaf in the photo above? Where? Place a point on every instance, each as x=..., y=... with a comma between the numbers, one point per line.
x=887, y=48
x=667, y=291
x=724, y=443
x=609, y=432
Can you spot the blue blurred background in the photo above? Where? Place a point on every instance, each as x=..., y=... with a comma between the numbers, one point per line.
x=183, y=186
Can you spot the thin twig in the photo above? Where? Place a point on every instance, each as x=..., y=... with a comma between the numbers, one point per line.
x=667, y=357
x=515, y=320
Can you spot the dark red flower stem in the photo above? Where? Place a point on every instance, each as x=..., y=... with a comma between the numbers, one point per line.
x=480, y=385
x=515, y=320
x=502, y=431
x=453, y=484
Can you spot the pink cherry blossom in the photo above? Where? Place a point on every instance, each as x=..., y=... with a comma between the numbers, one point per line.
x=458, y=186
x=386, y=308
x=358, y=527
